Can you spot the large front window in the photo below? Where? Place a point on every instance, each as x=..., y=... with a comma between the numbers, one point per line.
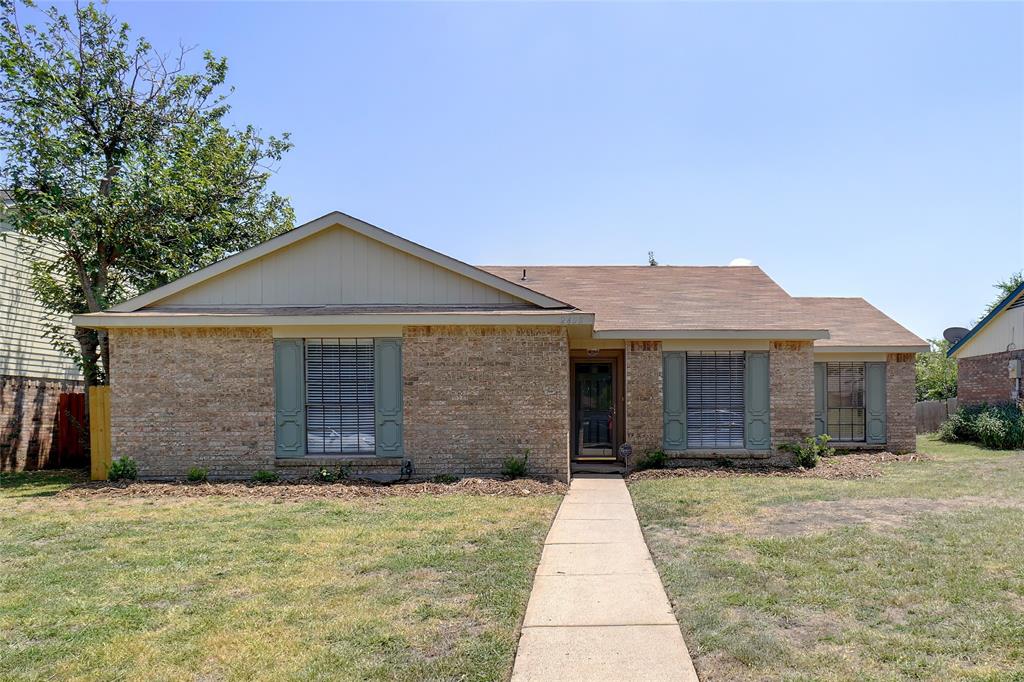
x=845, y=395
x=714, y=400
x=339, y=396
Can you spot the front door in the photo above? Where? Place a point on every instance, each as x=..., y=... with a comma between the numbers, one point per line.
x=594, y=434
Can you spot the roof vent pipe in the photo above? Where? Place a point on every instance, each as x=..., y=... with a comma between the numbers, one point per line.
x=523, y=279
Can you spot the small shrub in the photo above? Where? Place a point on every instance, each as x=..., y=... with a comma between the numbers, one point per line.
x=324, y=475
x=1000, y=427
x=263, y=476
x=445, y=478
x=514, y=467
x=196, y=474
x=123, y=469
x=651, y=460
x=810, y=451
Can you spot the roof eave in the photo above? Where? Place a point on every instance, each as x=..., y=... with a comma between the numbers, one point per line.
x=919, y=348
x=770, y=334
x=113, y=320
x=988, y=318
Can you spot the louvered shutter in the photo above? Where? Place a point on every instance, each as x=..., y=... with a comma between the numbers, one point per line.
x=340, y=414
x=674, y=401
x=714, y=400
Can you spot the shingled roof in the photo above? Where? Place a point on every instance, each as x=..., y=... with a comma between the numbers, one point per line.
x=853, y=322
x=668, y=298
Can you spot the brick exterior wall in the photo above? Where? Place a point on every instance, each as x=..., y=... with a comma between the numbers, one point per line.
x=474, y=396
x=644, y=412
x=791, y=390
x=183, y=398
x=900, y=396
x=986, y=378
x=28, y=414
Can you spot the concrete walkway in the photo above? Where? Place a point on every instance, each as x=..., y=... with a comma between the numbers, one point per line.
x=598, y=610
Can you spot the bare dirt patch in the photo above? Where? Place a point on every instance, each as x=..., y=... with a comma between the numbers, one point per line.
x=819, y=516
x=312, y=491
x=854, y=465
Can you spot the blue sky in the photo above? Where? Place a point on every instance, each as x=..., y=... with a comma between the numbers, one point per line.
x=866, y=149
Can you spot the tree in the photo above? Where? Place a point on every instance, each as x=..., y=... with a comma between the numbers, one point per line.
x=936, y=373
x=120, y=158
x=1005, y=287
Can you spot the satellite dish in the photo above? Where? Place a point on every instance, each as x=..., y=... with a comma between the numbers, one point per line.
x=954, y=334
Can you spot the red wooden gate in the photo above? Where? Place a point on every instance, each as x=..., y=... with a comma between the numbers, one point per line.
x=72, y=431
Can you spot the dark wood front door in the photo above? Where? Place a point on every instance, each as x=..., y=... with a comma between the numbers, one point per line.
x=595, y=434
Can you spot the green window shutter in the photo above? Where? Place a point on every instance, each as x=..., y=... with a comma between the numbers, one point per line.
x=290, y=397
x=756, y=402
x=388, y=396
x=820, y=398
x=874, y=400
x=674, y=400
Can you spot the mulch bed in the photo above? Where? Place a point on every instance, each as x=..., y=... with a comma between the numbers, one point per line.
x=306, y=490
x=853, y=465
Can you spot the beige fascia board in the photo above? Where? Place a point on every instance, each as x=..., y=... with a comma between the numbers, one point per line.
x=778, y=335
x=871, y=349
x=125, y=320
x=324, y=222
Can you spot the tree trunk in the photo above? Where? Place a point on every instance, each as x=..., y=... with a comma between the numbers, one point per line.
x=88, y=342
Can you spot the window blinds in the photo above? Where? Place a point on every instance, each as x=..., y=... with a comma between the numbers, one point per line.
x=339, y=396
x=714, y=400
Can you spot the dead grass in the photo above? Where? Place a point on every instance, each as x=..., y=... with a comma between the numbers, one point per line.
x=140, y=581
x=910, y=573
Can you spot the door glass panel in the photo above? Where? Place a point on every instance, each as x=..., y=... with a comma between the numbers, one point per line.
x=595, y=416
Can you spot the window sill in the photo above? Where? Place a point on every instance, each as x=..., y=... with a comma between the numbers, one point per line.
x=338, y=460
x=719, y=453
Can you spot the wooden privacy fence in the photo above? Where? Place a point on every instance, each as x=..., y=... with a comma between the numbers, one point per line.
x=929, y=414
x=99, y=431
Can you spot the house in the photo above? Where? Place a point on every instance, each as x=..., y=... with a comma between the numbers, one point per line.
x=33, y=375
x=339, y=343
x=989, y=357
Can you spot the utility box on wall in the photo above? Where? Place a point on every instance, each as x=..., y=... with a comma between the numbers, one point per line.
x=1014, y=368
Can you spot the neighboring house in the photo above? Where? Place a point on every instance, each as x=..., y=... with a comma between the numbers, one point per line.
x=339, y=343
x=990, y=357
x=33, y=375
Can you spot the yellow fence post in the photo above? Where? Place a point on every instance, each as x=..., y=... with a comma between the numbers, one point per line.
x=99, y=432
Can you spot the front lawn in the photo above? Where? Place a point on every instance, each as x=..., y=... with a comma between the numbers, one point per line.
x=172, y=588
x=915, y=574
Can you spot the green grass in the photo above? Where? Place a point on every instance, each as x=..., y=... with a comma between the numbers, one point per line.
x=935, y=594
x=168, y=589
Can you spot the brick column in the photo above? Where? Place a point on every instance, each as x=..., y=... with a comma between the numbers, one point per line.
x=791, y=375
x=900, y=377
x=643, y=396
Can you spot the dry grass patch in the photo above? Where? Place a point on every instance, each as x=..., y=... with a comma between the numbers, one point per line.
x=911, y=574
x=167, y=587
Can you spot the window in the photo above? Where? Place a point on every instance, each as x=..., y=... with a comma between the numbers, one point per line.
x=339, y=396
x=845, y=400
x=714, y=400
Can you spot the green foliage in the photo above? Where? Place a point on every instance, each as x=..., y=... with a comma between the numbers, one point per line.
x=123, y=161
x=197, y=474
x=445, y=479
x=515, y=467
x=1005, y=287
x=1000, y=427
x=808, y=453
x=123, y=469
x=263, y=476
x=936, y=373
x=324, y=475
x=651, y=460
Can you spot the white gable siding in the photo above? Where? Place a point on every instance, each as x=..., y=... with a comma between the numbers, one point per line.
x=23, y=349
x=1005, y=332
x=338, y=267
